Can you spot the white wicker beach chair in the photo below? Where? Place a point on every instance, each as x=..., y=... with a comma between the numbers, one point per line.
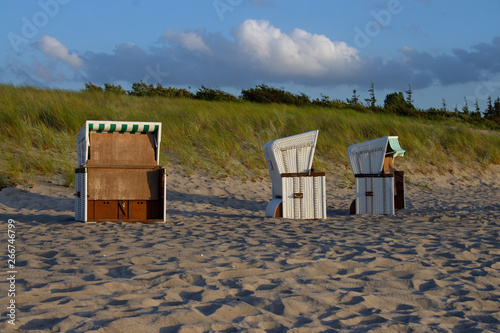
x=379, y=187
x=297, y=191
x=118, y=177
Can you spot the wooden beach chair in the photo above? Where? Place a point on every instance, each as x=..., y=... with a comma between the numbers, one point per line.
x=379, y=186
x=297, y=191
x=118, y=177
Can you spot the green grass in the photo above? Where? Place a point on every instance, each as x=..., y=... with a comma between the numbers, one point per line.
x=220, y=139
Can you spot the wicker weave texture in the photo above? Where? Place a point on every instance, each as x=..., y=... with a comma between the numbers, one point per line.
x=368, y=157
x=375, y=195
x=295, y=153
x=81, y=198
x=304, y=197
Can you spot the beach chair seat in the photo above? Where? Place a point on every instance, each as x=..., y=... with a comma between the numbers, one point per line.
x=297, y=191
x=379, y=186
x=118, y=177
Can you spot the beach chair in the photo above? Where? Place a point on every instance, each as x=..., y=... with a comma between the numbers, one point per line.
x=379, y=187
x=297, y=191
x=118, y=177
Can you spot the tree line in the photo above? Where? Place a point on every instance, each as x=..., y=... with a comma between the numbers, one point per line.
x=394, y=103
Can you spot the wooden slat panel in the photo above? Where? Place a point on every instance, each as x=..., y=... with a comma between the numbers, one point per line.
x=90, y=210
x=126, y=210
x=138, y=209
x=106, y=209
x=123, y=184
x=122, y=149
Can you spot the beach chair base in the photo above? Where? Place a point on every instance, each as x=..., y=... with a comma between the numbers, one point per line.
x=379, y=194
x=304, y=195
x=103, y=194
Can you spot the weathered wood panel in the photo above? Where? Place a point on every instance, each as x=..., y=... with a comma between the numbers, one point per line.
x=122, y=149
x=123, y=184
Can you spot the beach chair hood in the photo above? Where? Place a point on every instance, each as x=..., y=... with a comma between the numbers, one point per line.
x=292, y=154
x=105, y=126
x=368, y=157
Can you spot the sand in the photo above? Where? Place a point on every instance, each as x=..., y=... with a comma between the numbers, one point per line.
x=218, y=265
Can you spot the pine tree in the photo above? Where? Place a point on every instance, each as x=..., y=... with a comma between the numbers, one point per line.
x=372, y=98
x=489, y=109
x=496, y=109
x=465, y=108
x=355, y=98
x=444, y=105
x=476, y=106
x=477, y=113
x=409, y=93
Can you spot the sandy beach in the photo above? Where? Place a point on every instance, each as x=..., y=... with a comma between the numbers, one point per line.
x=218, y=265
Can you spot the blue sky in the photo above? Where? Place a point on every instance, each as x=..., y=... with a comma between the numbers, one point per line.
x=444, y=49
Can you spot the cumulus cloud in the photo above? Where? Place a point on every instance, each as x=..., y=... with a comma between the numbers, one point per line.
x=189, y=40
x=53, y=48
x=297, y=53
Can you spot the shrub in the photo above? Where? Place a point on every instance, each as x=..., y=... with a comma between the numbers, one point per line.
x=396, y=103
x=265, y=94
x=92, y=88
x=111, y=88
x=326, y=102
x=142, y=89
x=210, y=94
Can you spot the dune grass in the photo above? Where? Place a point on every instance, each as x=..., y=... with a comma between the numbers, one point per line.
x=220, y=139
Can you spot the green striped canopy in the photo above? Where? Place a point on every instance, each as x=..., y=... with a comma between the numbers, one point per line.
x=123, y=127
x=394, y=144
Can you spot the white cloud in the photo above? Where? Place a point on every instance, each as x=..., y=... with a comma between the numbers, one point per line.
x=53, y=48
x=188, y=40
x=296, y=53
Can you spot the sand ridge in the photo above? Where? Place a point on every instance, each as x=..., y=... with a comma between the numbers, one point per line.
x=218, y=265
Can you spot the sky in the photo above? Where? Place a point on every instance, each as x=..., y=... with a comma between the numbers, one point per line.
x=445, y=50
